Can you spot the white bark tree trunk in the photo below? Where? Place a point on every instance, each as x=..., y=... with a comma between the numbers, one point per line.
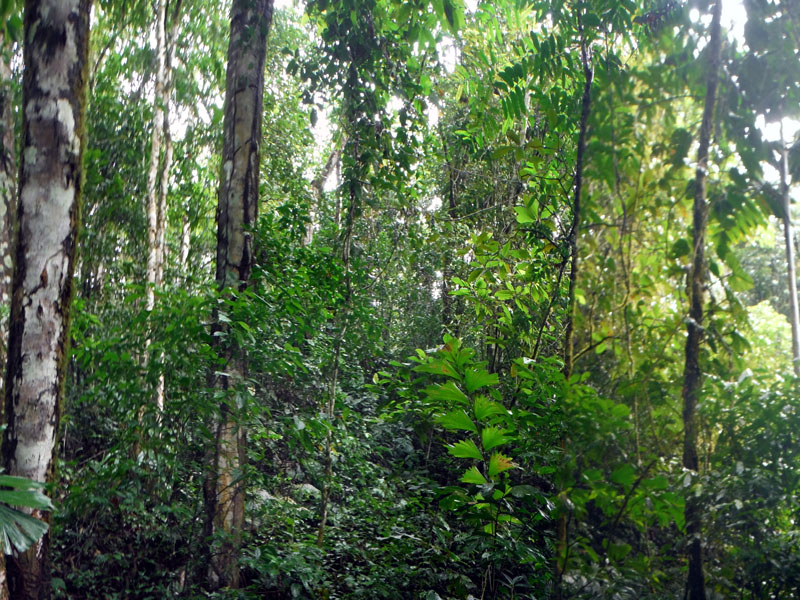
x=54, y=101
x=159, y=168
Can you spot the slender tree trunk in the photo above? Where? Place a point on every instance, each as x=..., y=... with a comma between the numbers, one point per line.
x=8, y=190
x=790, y=264
x=317, y=189
x=448, y=317
x=155, y=212
x=236, y=215
x=692, y=374
x=159, y=167
x=54, y=100
x=586, y=107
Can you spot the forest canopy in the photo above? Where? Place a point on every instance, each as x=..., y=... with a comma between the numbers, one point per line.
x=416, y=299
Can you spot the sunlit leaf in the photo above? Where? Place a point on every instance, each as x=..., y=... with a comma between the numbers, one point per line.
x=472, y=475
x=465, y=449
x=492, y=437
x=499, y=463
x=457, y=419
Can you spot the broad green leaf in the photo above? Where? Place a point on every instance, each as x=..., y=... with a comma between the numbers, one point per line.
x=19, y=483
x=483, y=408
x=680, y=248
x=472, y=475
x=27, y=498
x=524, y=215
x=659, y=482
x=465, y=449
x=457, y=419
x=18, y=530
x=493, y=436
x=476, y=379
x=624, y=475
x=437, y=367
x=499, y=463
x=447, y=393
x=618, y=551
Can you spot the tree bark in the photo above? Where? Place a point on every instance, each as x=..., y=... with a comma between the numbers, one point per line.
x=790, y=264
x=159, y=167
x=236, y=215
x=692, y=374
x=8, y=190
x=54, y=100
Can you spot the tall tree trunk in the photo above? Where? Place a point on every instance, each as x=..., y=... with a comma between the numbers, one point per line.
x=448, y=317
x=54, y=100
x=155, y=212
x=159, y=167
x=692, y=374
x=236, y=214
x=586, y=107
x=790, y=265
x=8, y=190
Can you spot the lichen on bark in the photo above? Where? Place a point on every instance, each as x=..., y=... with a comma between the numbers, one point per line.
x=54, y=91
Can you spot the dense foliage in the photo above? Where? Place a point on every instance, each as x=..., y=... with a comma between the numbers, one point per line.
x=465, y=329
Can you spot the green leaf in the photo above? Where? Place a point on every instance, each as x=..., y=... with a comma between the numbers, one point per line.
x=492, y=437
x=483, y=408
x=18, y=530
x=476, y=379
x=27, y=498
x=658, y=482
x=499, y=463
x=524, y=215
x=19, y=483
x=501, y=151
x=465, y=449
x=680, y=248
x=457, y=419
x=472, y=475
x=624, y=475
x=447, y=393
x=437, y=367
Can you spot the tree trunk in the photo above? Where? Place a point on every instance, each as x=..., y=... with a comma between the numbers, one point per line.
x=790, y=266
x=692, y=374
x=158, y=172
x=236, y=215
x=448, y=316
x=155, y=212
x=318, y=192
x=54, y=100
x=8, y=189
x=586, y=107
